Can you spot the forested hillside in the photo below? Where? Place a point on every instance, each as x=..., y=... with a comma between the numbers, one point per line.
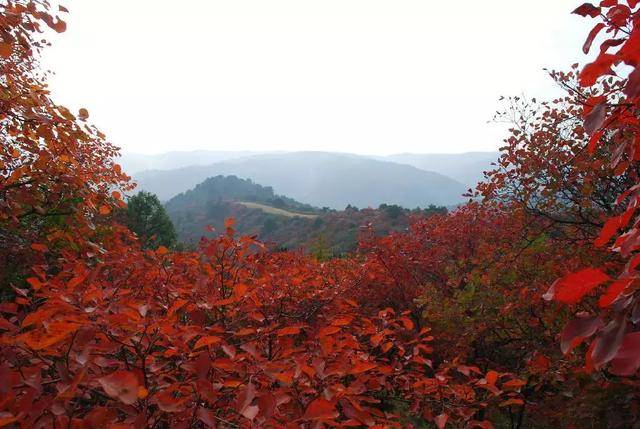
x=281, y=222
x=519, y=309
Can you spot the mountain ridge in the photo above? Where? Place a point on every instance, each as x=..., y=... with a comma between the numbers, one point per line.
x=314, y=178
x=277, y=220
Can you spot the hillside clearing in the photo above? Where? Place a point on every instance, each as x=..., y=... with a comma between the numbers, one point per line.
x=275, y=211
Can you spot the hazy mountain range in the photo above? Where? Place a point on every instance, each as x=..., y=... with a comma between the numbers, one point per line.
x=463, y=167
x=321, y=179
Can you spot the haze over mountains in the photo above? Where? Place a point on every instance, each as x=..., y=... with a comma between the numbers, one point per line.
x=321, y=179
x=463, y=167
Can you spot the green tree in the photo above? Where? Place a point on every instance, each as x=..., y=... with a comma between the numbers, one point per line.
x=148, y=219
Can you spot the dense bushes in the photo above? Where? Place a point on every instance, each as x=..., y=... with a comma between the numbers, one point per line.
x=451, y=323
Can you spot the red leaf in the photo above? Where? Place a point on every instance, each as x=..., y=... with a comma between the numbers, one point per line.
x=320, y=409
x=613, y=292
x=577, y=330
x=591, y=72
x=587, y=9
x=540, y=363
x=627, y=361
x=35, y=283
x=39, y=247
x=284, y=377
x=39, y=339
x=5, y=50
x=291, y=330
x=407, y=323
x=609, y=343
x=361, y=367
x=122, y=385
x=168, y=403
x=632, y=88
x=7, y=420
x=491, y=378
x=441, y=420
x=206, y=341
x=612, y=225
x=593, y=141
x=570, y=289
x=59, y=26
x=512, y=401
x=207, y=417
x=592, y=35
x=329, y=330
x=240, y=290
x=514, y=384
x=595, y=118
x=76, y=281
x=342, y=321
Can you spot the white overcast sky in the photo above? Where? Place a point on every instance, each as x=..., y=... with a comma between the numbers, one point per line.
x=363, y=76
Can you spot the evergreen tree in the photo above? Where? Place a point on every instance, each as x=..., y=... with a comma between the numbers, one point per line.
x=148, y=219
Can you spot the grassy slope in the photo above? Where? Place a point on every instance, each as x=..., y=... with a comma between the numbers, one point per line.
x=274, y=210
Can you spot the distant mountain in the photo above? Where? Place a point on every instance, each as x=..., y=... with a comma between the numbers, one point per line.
x=277, y=220
x=463, y=167
x=320, y=179
x=133, y=163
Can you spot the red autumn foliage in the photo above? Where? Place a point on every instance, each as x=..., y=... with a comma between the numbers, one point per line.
x=444, y=324
x=614, y=127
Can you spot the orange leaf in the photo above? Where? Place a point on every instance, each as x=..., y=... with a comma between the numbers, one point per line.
x=206, y=341
x=329, y=330
x=142, y=392
x=284, y=377
x=291, y=330
x=39, y=247
x=5, y=50
x=514, y=384
x=407, y=323
x=342, y=321
x=5, y=420
x=39, y=339
x=512, y=401
x=104, y=210
x=34, y=282
x=361, y=367
x=76, y=281
x=491, y=378
x=240, y=290
x=246, y=331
